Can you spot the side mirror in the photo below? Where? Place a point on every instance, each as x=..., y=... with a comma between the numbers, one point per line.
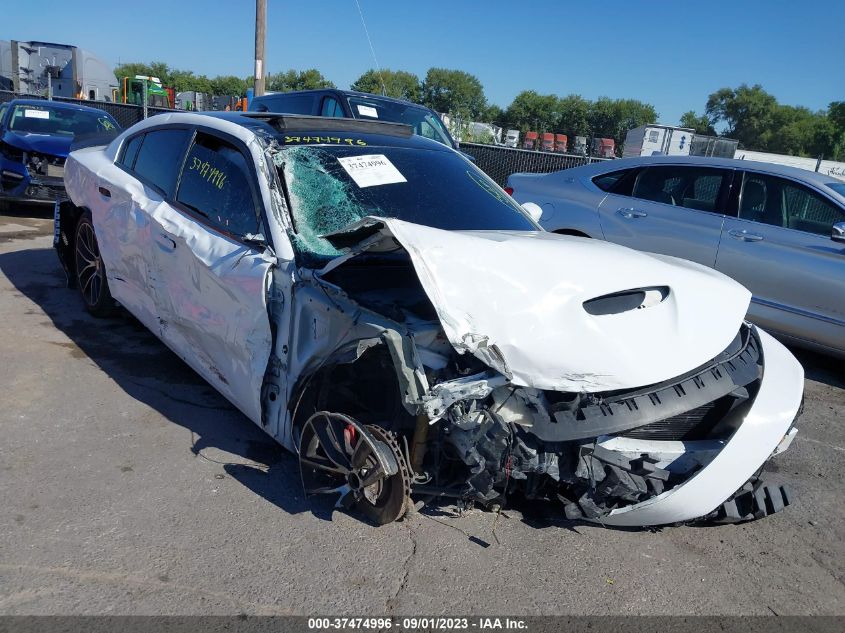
x=837, y=234
x=535, y=211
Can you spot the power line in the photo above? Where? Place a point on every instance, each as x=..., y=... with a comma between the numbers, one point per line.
x=372, y=49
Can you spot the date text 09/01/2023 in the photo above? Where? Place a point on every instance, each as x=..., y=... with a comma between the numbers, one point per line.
x=416, y=623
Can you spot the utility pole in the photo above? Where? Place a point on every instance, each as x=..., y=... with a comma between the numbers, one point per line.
x=260, y=33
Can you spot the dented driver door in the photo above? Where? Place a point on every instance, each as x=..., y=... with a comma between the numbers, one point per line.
x=214, y=273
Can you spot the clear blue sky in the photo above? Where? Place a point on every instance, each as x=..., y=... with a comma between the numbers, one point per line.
x=670, y=54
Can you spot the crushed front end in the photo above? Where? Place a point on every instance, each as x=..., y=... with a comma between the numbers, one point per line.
x=30, y=176
x=619, y=389
x=685, y=449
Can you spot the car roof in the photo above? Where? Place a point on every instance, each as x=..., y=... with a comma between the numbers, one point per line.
x=711, y=161
x=280, y=126
x=348, y=93
x=60, y=105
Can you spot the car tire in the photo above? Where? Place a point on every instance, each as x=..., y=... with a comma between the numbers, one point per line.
x=89, y=269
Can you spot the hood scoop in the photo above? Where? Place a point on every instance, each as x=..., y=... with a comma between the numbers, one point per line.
x=627, y=300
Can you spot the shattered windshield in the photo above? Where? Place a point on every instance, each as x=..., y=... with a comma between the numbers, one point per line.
x=331, y=186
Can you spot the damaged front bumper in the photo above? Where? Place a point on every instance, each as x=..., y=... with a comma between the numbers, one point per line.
x=767, y=428
x=688, y=449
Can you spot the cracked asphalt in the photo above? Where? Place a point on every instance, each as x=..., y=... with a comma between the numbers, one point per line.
x=129, y=486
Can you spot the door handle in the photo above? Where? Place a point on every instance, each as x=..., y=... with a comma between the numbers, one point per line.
x=105, y=192
x=166, y=243
x=745, y=236
x=630, y=213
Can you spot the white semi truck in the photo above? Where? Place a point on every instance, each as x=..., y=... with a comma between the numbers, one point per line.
x=67, y=71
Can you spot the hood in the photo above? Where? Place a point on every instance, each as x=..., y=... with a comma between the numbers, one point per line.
x=54, y=145
x=559, y=312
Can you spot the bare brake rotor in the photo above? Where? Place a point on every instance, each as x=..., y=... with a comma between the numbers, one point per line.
x=363, y=464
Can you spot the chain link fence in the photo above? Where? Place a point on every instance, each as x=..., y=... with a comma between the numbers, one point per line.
x=500, y=162
x=125, y=114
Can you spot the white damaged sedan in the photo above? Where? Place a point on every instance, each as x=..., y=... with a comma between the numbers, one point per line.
x=378, y=305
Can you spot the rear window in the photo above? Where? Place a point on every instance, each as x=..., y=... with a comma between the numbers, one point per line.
x=284, y=104
x=160, y=158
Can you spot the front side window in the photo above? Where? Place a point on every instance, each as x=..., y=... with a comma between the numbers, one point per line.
x=786, y=203
x=160, y=156
x=215, y=185
x=3, y=109
x=682, y=186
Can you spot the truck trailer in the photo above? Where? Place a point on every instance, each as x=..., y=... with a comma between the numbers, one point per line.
x=34, y=68
x=658, y=140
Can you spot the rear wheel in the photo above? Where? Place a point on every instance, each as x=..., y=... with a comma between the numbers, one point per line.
x=90, y=272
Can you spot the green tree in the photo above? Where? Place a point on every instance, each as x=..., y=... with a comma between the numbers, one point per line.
x=230, y=85
x=154, y=69
x=574, y=117
x=836, y=141
x=289, y=80
x=603, y=118
x=532, y=111
x=701, y=124
x=493, y=114
x=453, y=92
x=747, y=114
x=397, y=83
x=612, y=118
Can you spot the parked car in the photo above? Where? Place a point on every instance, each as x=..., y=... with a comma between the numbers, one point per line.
x=404, y=337
x=331, y=102
x=35, y=137
x=777, y=230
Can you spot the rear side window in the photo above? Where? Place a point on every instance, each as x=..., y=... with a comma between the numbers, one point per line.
x=215, y=185
x=160, y=156
x=606, y=182
x=130, y=151
x=682, y=186
x=331, y=108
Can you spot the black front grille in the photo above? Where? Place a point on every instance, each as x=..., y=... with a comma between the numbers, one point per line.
x=695, y=424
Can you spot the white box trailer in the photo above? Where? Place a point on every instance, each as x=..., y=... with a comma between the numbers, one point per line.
x=658, y=140
x=827, y=167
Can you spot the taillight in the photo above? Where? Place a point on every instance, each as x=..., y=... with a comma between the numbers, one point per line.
x=509, y=191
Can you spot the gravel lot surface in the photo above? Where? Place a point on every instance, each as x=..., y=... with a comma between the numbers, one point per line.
x=129, y=486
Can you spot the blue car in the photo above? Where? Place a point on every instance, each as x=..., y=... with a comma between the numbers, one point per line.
x=35, y=138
